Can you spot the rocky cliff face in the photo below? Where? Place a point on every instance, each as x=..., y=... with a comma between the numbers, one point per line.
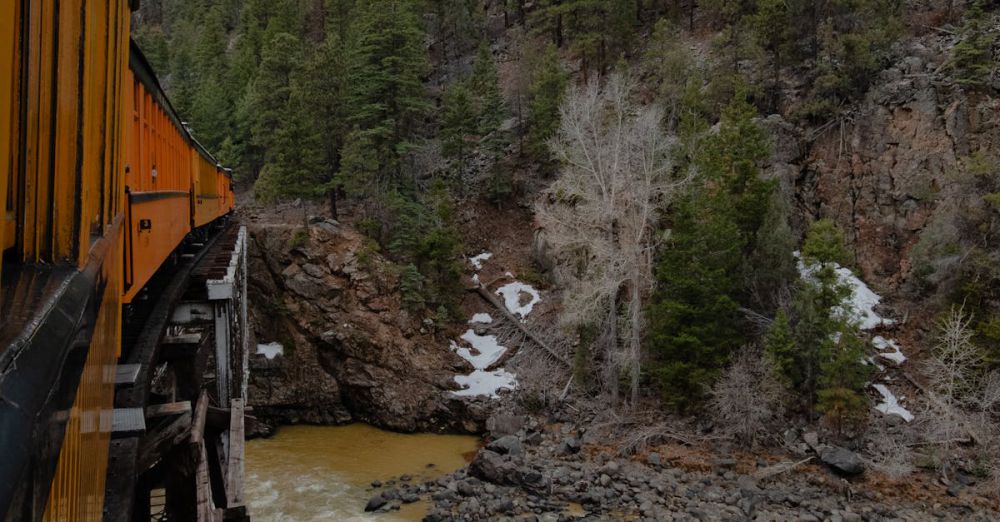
x=883, y=169
x=350, y=352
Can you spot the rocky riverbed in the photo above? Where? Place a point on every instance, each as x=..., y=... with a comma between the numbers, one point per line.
x=540, y=471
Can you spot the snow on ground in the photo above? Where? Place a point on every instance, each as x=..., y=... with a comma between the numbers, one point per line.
x=481, y=382
x=895, y=354
x=477, y=261
x=890, y=404
x=270, y=350
x=873, y=362
x=482, y=318
x=511, y=294
x=863, y=300
x=484, y=352
x=485, y=349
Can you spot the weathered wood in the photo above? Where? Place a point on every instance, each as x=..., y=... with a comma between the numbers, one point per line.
x=168, y=409
x=234, y=467
x=156, y=444
x=203, y=487
x=198, y=423
x=182, y=465
x=214, y=448
x=236, y=514
x=489, y=298
x=120, y=484
x=189, y=339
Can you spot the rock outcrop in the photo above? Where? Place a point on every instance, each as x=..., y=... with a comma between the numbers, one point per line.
x=351, y=352
x=882, y=169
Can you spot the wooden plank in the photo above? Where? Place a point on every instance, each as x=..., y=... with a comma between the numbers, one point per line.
x=127, y=374
x=120, y=485
x=168, y=409
x=219, y=418
x=236, y=513
x=157, y=444
x=198, y=424
x=203, y=487
x=191, y=338
x=234, y=468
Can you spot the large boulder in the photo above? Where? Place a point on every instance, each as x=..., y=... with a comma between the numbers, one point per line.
x=842, y=460
x=509, y=445
x=492, y=467
x=501, y=425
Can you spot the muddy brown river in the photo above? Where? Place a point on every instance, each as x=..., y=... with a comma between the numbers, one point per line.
x=314, y=473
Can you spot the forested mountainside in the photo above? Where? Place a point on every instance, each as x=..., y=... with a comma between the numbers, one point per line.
x=711, y=185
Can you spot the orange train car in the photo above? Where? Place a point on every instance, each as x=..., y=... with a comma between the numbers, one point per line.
x=173, y=185
x=101, y=183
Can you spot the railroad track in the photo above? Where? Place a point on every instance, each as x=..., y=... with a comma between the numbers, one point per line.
x=173, y=424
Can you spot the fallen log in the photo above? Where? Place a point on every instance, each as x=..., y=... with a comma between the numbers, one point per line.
x=514, y=320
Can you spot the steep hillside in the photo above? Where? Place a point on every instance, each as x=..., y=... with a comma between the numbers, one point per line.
x=768, y=226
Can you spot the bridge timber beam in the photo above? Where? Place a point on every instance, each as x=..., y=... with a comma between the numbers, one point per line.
x=192, y=387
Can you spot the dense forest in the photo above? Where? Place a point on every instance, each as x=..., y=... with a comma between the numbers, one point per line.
x=641, y=132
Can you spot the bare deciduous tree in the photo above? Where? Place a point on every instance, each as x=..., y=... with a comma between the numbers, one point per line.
x=600, y=216
x=963, y=393
x=890, y=448
x=748, y=398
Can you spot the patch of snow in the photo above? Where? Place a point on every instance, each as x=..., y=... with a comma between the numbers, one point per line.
x=270, y=350
x=484, y=352
x=477, y=261
x=895, y=355
x=511, y=294
x=871, y=361
x=862, y=302
x=475, y=279
x=481, y=382
x=481, y=319
x=508, y=274
x=890, y=404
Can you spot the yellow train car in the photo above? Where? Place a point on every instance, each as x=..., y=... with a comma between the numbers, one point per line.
x=101, y=183
x=173, y=184
x=206, y=191
x=61, y=172
x=158, y=177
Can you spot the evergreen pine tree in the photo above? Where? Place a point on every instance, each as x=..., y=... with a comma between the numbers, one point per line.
x=458, y=127
x=546, y=94
x=843, y=377
x=385, y=73
x=824, y=243
x=779, y=345
x=669, y=65
x=973, y=58
x=491, y=108
x=703, y=273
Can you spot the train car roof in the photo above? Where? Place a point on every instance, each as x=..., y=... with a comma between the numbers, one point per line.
x=144, y=73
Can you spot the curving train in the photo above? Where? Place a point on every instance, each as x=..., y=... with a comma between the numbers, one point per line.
x=102, y=184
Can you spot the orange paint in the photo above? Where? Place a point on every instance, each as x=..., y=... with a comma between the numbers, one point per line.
x=79, y=128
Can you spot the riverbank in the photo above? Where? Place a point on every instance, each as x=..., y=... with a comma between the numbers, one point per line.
x=322, y=473
x=534, y=470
